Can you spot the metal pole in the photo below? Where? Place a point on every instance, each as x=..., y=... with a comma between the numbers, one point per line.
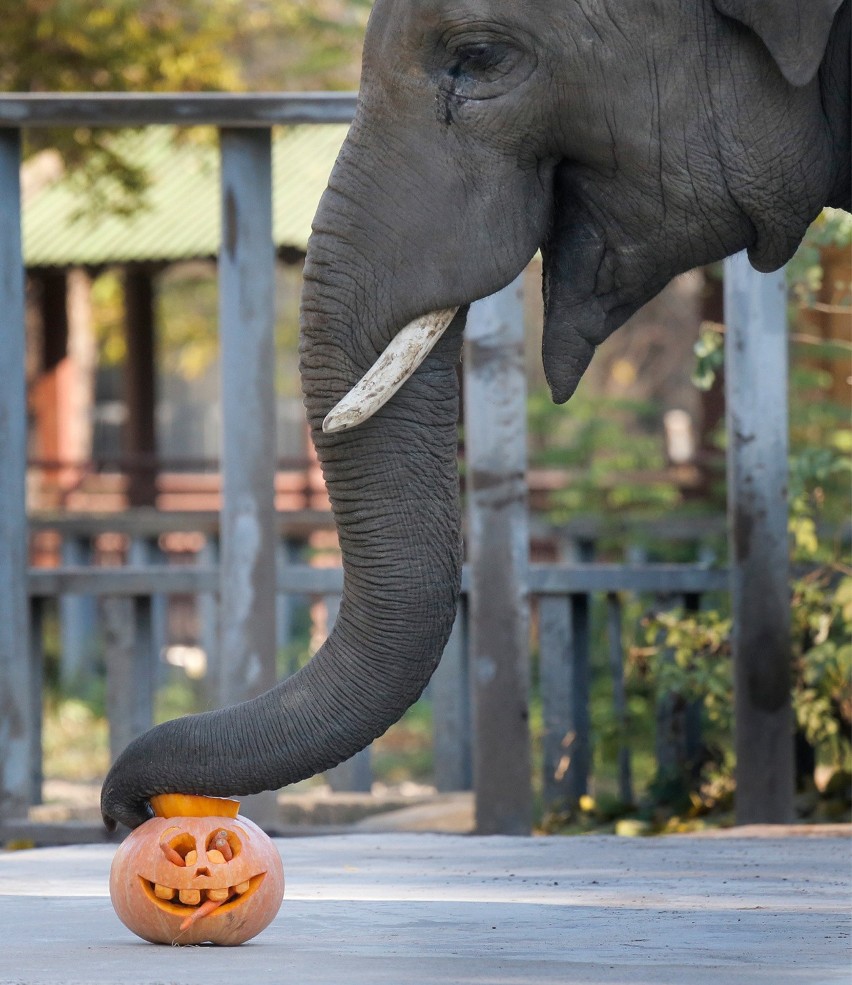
x=756, y=391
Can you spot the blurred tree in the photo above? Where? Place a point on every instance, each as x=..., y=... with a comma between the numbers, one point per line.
x=123, y=46
x=162, y=46
x=301, y=45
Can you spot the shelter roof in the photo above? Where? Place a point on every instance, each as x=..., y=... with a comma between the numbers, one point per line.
x=181, y=216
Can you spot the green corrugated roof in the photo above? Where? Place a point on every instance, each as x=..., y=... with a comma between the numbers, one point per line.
x=182, y=220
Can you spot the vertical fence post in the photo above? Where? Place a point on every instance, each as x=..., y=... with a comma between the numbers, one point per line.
x=77, y=618
x=130, y=668
x=756, y=384
x=556, y=674
x=207, y=604
x=498, y=546
x=18, y=719
x=247, y=340
x=450, y=693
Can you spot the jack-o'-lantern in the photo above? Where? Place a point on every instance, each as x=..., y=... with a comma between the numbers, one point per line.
x=197, y=872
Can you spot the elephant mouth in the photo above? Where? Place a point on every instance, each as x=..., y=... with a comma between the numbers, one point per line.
x=406, y=351
x=184, y=902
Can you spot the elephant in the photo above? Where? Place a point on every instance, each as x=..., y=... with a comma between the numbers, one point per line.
x=628, y=142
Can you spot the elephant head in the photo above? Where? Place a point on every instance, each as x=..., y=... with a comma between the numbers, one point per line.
x=628, y=142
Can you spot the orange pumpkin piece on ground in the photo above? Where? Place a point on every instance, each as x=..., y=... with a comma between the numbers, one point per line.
x=192, y=879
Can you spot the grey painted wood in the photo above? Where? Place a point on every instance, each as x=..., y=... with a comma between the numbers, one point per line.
x=128, y=674
x=287, y=554
x=197, y=109
x=247, y=345
x=208, y=617
x=147, y=522
x=449, y=691
x=544, y=579
x=17, y=715
x=757, y=421
x=619, y=695
x=498, y=544
x=77, y=618
x=556, y=687
x=46, y=582
x=151, y=608
x=581, y=578
x=353, y=775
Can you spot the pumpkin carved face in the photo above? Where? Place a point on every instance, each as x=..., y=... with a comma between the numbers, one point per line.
x=187, y=880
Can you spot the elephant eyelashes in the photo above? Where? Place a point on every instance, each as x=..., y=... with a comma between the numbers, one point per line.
x=480, y=60
x=479, y=67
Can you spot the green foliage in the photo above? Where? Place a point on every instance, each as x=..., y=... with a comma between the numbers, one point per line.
x=302, y=44
x=602, y=443
x=161, y=46
x=689, y=655
x=833, y=227
x=822, y=646
x=123, y=46
x=709, y=357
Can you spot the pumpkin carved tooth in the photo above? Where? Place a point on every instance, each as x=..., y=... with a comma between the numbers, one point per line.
x=164, y=892
x=242, y=887
x=190, y=897
x=218, y=895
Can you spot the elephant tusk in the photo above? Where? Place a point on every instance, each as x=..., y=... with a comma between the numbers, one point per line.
x=407, y=350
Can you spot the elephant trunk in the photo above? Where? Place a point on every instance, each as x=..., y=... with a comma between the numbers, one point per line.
x=393, y=484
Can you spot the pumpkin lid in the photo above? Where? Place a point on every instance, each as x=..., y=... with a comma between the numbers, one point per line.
x=193, y=805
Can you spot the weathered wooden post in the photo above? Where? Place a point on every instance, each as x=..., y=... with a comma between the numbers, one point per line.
x=77, y=618
x=18, y=719
x=498, y=551
x=756, y=385
x=449, y=690
x=246, y=325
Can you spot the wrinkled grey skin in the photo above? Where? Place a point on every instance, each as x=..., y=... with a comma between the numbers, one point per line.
x=631, y=141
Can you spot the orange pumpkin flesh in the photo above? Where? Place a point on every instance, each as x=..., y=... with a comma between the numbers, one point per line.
x=193, y=805
x=196, y=879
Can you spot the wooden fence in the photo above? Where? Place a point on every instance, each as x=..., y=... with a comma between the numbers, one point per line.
x=488, y=660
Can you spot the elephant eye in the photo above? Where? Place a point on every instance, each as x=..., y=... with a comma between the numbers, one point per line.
x=483, y=61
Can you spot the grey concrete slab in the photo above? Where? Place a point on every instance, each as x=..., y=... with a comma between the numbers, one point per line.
x=408, y=909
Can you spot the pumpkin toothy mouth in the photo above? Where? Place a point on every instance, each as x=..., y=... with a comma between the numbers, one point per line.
x=183, y=902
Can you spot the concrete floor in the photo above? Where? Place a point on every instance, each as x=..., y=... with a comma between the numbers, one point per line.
x=409, y=909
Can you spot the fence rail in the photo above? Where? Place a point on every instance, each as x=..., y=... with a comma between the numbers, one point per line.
x=246, y=328
x=562, y=595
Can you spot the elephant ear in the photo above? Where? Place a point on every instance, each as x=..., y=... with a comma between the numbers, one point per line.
x=795, y=31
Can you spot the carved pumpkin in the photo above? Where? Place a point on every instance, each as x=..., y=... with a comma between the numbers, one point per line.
x=179, y=879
